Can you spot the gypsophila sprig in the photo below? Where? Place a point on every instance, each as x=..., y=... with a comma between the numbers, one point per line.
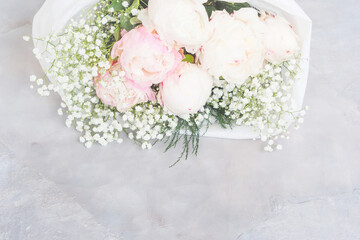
x=262, y=103
x=76, y=56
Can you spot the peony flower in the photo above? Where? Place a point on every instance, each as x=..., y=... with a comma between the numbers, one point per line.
x=186, y=91
x=182, y=23
x=280, y=40
x=144, y=58
x=234, y=51
x=115, y=90
x=250, y=17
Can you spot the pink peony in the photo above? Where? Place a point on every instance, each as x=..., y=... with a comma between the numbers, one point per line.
x=144, y=57
x=120, y=92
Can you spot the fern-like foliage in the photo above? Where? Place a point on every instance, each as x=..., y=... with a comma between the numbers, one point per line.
x=187, y=133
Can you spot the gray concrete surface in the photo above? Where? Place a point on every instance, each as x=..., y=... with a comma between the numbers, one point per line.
x=51, y=187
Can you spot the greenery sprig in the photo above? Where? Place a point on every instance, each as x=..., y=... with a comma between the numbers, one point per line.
x=230, y=7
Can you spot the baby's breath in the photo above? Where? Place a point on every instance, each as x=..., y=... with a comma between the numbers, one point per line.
x=76, y=56
x=264, y=102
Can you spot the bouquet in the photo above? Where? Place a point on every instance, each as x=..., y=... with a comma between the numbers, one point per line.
x=172, y=71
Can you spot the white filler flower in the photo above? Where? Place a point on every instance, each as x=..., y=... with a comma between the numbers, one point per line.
x=234, y=51
x=182, y=23
x=186, y=91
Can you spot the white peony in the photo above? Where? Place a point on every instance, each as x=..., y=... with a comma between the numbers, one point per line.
x=182, y=23
x=186, y=91
x=250, y=17
x=234, y=52
x=280, y=40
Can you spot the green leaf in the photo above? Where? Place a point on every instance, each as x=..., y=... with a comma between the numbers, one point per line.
x=125, y=22
x=210, y=9
x=189, y=58
x=117, y=5
x=117, y=33
x=134, y=21
x=135, y=4
x=229, y=6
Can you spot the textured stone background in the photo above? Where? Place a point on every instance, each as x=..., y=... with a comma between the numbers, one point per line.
x=51, y=187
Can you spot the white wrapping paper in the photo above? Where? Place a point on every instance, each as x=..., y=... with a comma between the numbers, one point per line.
x=55, y=14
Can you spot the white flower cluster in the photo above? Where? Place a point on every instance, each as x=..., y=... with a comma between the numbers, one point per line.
x=75, y=57
x=147, y=122
x=263, y=102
